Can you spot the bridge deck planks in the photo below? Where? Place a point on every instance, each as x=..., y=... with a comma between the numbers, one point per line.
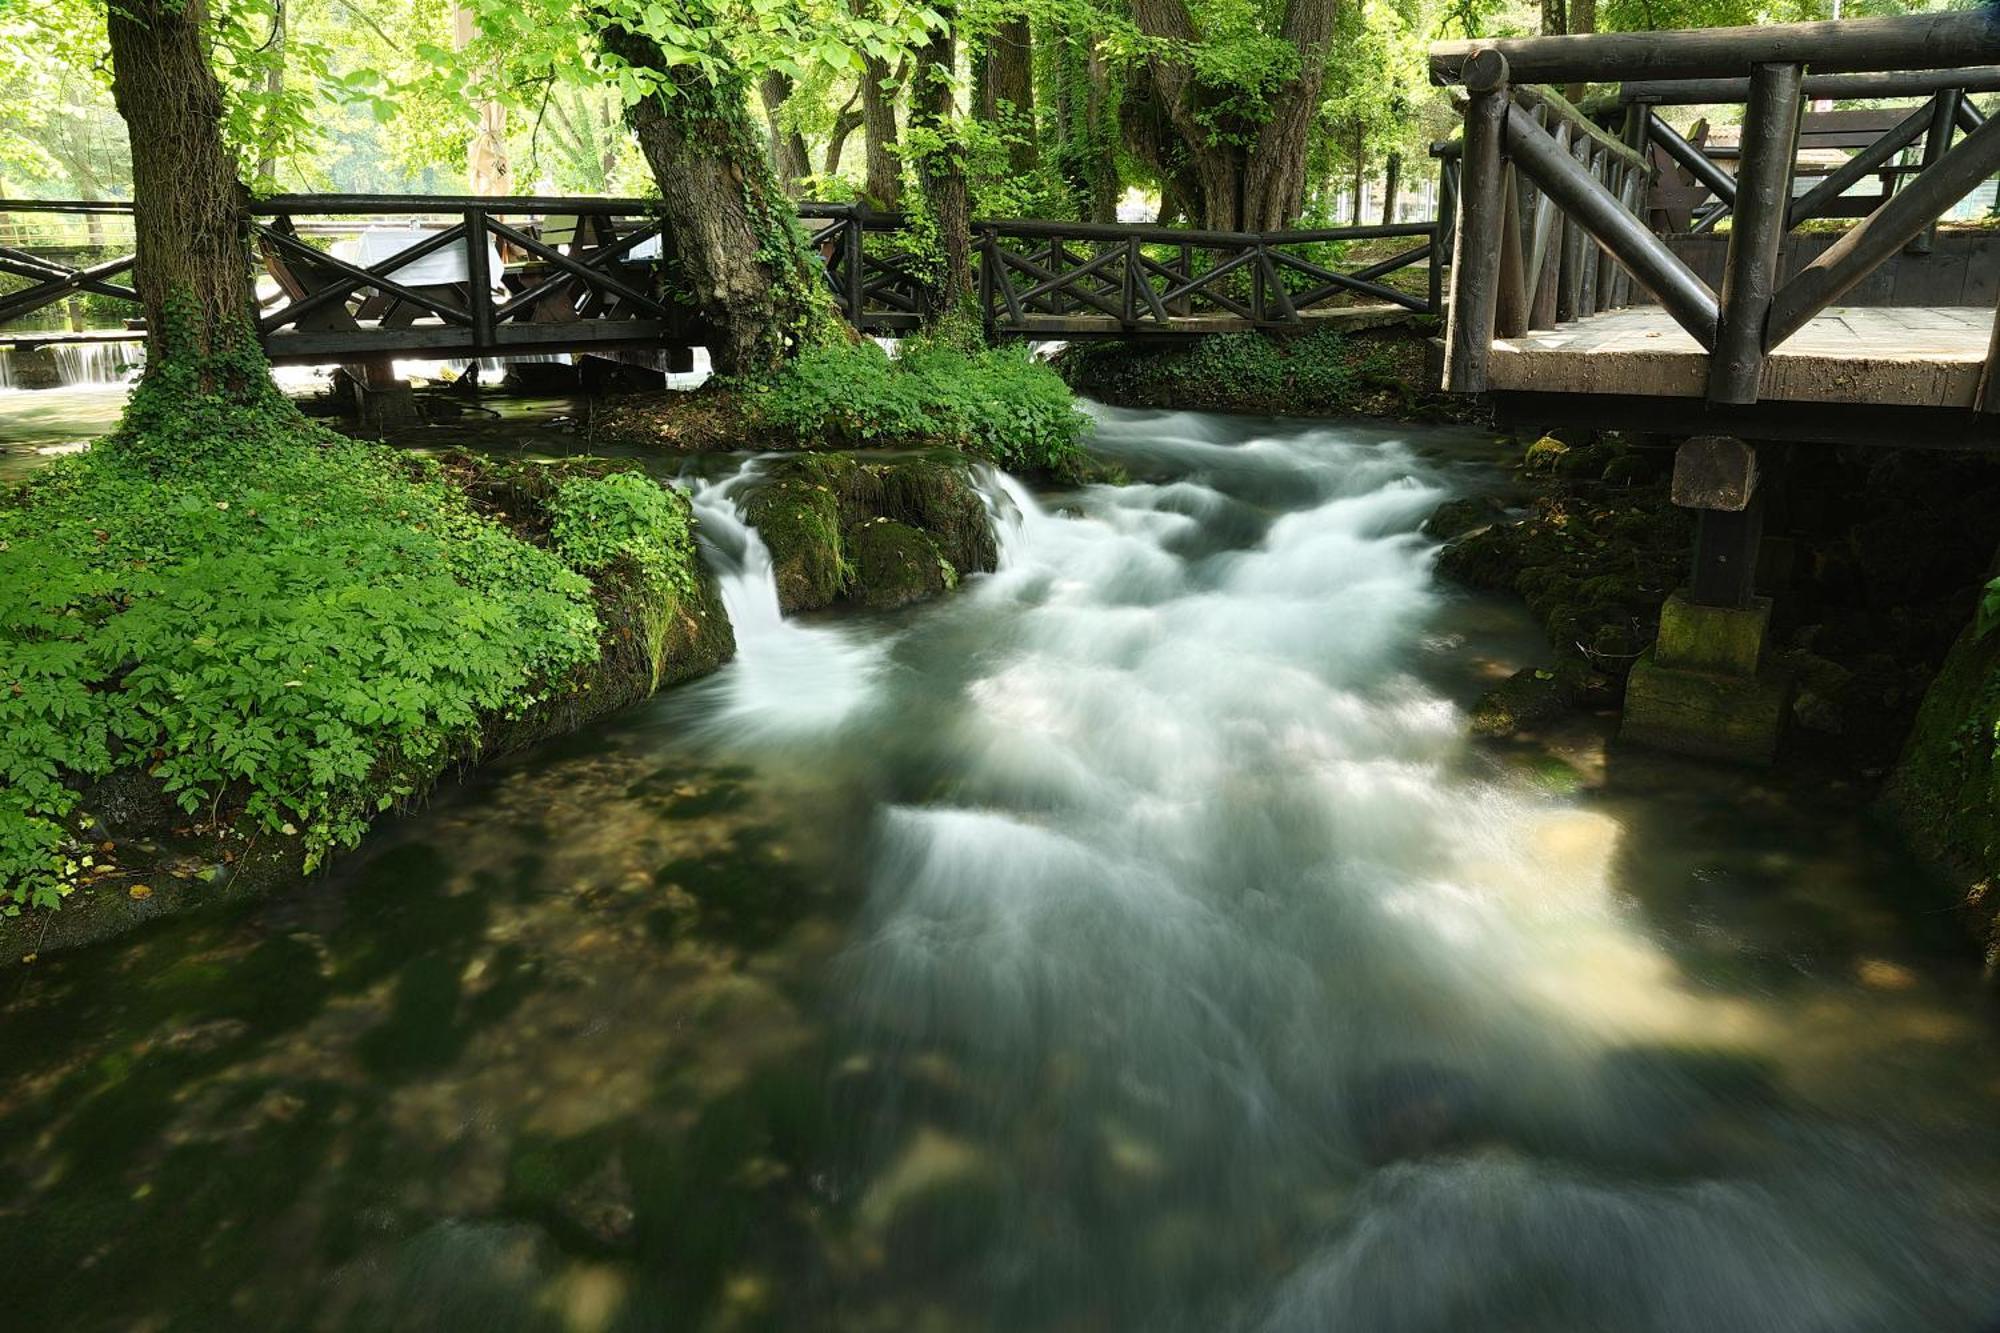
x=1887, y=355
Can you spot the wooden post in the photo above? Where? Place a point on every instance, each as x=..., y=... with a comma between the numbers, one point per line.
x=1989, y=378
x=1544, y=257
x=1683, y=295
x=1944, y=121
x=851, y=239
x=1633, y=197
x=478, y=279
x=1763, y=198
x=1441, y=230
x=1475, y=274
x=1716, y=476
x=987, y=263
x=1510, y=316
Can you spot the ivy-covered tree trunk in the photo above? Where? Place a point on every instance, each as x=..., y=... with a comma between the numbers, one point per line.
x=1087, y=114
x=736, y=241
x=1255, y=186
x=940, y=159
x=191, y=220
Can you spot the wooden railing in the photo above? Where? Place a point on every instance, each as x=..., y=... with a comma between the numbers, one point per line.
x=1082, y=279
x=1517, y=165
x=476, y=276
x=1926, y=130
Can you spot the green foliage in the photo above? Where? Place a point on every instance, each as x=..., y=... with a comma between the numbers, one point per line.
x=999, y=403
x=597, y=521
x=275, y=621
x=1318, y=373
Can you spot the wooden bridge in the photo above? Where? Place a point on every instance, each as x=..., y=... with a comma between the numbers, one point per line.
x=349, y=278
x=1555, y=247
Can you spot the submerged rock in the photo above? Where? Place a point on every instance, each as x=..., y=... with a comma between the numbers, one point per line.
x=1530, y=698
x=1456, y=518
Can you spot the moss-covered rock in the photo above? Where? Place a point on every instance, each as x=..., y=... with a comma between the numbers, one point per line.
x=1945, y=791
x=1456, y=518
x=798, y=516
x=823, y=514
x=896, y=564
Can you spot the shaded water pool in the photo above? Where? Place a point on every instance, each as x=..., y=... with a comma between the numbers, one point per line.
x=1129, y=942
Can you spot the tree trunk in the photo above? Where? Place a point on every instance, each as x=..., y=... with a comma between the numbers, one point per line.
x=191, y=220
x=880, y=86
x=941, y=169
x=845, y=123
x=274, y=88
x=1582, y=19
x=789, y=158
x=1392, y=175
x=1261, y=187
x=1360, y=173
x=1009, y=90
x=736, y=243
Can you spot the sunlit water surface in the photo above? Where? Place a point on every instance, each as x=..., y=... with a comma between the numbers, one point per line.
x=1131, y=941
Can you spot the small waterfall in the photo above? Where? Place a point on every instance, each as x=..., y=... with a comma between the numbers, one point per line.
x=788, y=679
x=100, y=363
x=72, y=365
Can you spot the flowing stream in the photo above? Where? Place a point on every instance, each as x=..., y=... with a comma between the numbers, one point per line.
x=1130, y=941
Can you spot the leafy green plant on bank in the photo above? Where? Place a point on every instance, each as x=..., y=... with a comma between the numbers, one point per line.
x=998, y=403
x=279, y=624
x=596, y=521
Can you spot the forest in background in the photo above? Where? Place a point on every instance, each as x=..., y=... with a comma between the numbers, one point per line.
x=1254, y=113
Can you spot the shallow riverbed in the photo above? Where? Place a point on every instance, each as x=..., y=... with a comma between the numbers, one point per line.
x=1131, y=941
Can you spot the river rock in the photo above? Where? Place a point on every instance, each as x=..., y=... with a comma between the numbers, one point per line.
x=870, y=530
x=1530, y=698
x=896, y=564
x=1456, y=518
x=129, y=803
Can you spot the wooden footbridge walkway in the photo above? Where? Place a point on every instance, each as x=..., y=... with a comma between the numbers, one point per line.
x=352, y=277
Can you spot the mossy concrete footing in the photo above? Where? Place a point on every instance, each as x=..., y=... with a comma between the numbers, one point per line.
x=1704, y=689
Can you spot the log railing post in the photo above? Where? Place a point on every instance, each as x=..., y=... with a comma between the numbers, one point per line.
x=1937, y=141
x=1475, y=272
x=1510, y=315
x=1988, y=400
x=478, y=279
x=1684, y=295
x=852, y=239
x=1763, y=199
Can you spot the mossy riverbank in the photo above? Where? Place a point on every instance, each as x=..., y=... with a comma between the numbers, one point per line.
x=132, y=847
x=1381, y=372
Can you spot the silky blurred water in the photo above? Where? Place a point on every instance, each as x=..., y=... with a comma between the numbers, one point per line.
x=1130, y=941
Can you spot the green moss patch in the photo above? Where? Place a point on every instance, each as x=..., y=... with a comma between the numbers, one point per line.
x=1379, y=372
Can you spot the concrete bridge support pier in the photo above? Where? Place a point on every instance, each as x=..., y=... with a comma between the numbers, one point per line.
x=1706, y=687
